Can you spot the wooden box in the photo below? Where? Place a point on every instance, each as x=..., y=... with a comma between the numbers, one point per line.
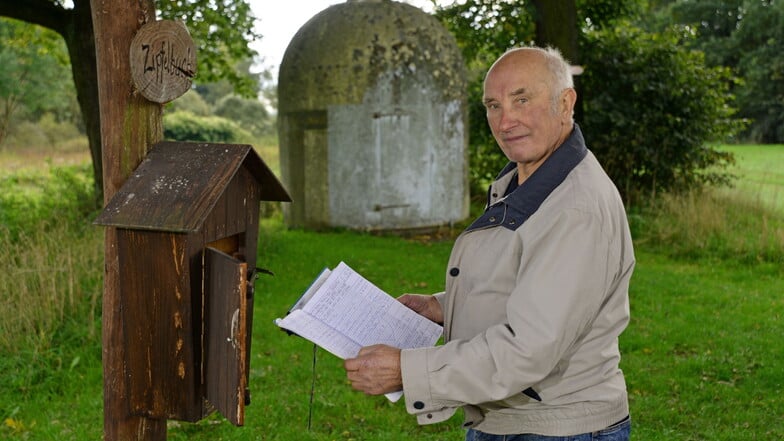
x=187, y=228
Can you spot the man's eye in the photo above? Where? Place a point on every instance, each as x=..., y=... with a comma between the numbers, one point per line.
x=522, y=100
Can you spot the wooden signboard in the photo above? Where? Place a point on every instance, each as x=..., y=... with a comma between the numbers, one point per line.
x=163, y=60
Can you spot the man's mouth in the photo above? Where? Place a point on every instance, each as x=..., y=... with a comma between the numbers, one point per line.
x=514, y=138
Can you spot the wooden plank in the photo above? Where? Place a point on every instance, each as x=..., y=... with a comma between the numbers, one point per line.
x=162, y=372
x=226, y=334
x=175, y=187
x=129, y=126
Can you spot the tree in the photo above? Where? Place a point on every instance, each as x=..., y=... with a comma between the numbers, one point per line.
x=746, y=36
x=220, y=28
x=32, y=64
x=759, y=44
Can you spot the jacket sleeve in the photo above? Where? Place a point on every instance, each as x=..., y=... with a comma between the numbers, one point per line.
x=563, y=277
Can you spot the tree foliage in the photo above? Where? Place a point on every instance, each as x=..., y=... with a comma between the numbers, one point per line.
x=485, y=28
x=748, y=37
x=653, y=128
x=33, y=65
x=759, y=43
x=222, y=31
x=191, y=101
x=598, y=14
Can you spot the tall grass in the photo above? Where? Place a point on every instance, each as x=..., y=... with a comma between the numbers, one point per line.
x=711, y=223
x=44, y=282
x=50, y=275
x=743, y=223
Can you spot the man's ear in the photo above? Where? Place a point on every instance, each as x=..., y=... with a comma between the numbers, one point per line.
x=567, y=100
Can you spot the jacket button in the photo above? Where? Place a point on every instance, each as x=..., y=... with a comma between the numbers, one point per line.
x=419, y=405
x=454, y=272
x=492, y=219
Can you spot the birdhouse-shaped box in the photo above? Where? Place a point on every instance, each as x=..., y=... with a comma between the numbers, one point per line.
x=187, y=227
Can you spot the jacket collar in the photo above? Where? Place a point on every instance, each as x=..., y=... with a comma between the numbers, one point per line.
x=513, y=210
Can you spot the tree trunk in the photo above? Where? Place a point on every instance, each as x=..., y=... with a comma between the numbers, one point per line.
x=129, y=125
x=78, y=35
x=556, y=26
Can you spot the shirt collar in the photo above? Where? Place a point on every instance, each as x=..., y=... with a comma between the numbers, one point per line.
x=513, y=210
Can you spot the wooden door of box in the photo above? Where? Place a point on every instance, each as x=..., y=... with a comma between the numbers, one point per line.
x=226, y=339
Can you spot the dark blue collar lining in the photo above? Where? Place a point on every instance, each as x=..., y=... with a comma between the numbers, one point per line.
x=516, y=208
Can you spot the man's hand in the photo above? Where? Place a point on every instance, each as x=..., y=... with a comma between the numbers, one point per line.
x=375, y=370
x=424, y=305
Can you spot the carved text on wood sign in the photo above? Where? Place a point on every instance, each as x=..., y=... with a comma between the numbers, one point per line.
x=163, y=60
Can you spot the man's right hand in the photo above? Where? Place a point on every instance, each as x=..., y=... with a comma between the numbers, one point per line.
x=424, y=305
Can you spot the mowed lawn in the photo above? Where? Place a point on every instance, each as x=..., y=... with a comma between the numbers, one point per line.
x=760, y=172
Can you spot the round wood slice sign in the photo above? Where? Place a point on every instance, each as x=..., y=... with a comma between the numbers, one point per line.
x=163, y=60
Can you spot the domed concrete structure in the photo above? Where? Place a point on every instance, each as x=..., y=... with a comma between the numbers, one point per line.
x=372, y=120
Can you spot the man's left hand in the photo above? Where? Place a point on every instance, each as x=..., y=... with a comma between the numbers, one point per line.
x=375, y=370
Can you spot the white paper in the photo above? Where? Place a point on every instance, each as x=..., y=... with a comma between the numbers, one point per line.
x=343, y=312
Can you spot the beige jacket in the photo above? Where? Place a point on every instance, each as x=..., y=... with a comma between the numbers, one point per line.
x=536, y=297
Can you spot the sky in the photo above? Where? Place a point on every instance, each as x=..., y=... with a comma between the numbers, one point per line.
x=277, y=24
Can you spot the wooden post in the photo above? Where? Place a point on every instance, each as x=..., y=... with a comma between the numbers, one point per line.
x=130, y=125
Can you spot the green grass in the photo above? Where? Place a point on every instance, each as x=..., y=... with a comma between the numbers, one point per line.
x=760, y=170
x=702, y=355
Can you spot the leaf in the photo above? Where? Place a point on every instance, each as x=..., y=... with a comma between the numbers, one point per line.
x=75, y=362
x=15, y=425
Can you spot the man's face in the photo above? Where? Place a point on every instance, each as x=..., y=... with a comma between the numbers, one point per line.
x=525, y=122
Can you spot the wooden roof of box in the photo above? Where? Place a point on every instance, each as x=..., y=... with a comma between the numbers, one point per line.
x=178, y=183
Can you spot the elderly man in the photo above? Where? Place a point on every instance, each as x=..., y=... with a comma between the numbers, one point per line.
x=536, y=288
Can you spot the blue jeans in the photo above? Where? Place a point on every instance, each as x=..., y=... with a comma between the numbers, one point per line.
x=617, y=432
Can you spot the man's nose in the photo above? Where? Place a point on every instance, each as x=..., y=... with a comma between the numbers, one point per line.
x=507, y=120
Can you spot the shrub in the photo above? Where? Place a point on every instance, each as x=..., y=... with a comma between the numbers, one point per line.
x=192, y=102
x=185, y=126
x=652, y=110
x=56, y=195
x=58, y=133
x=251, y=113
x=25, y=135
